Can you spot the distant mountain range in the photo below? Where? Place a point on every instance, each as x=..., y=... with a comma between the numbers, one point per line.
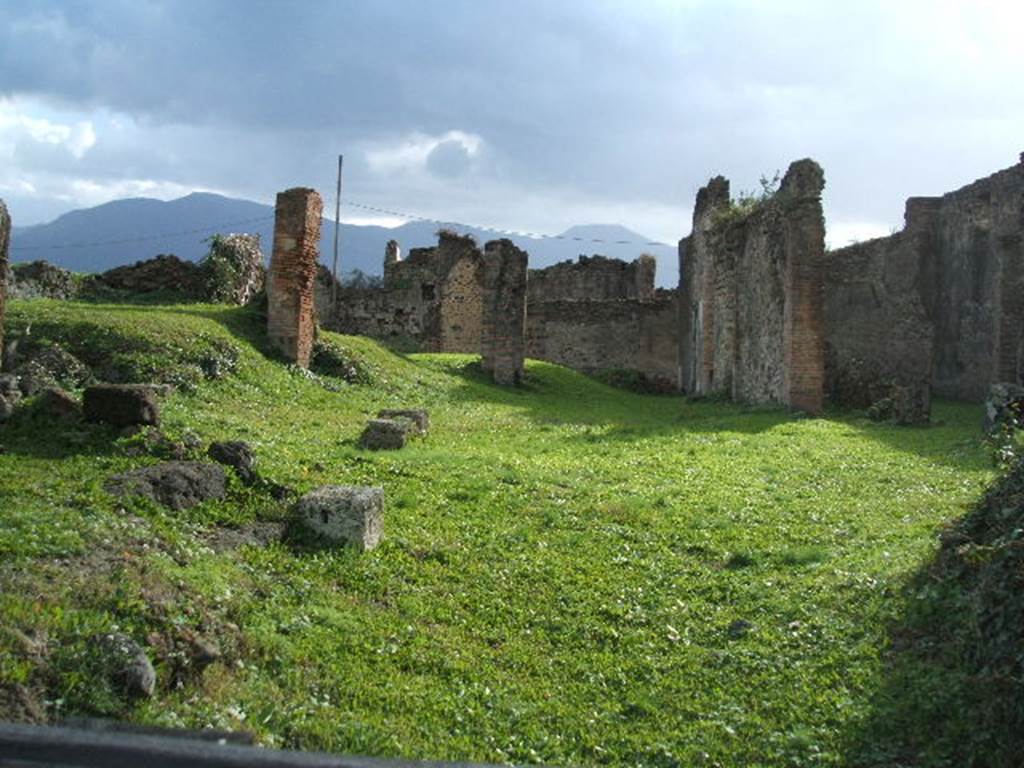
x=125, y=231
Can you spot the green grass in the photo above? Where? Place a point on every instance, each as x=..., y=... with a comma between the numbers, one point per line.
x=560, y=568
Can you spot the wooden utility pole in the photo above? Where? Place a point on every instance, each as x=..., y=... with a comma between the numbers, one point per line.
x=337, y=227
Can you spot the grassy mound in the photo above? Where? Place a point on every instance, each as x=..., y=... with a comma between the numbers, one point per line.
x=570, y=573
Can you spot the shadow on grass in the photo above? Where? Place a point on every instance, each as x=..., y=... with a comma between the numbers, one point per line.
x=33, y=433
x=555, y=395
x=953, y=693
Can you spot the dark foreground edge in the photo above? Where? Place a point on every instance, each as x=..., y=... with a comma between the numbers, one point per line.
x=29, y=746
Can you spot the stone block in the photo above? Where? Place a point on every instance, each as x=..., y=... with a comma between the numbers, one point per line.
x=419, y=417
x=239, y=456
x=345, y=514
x=122, y=405
x=385, y=434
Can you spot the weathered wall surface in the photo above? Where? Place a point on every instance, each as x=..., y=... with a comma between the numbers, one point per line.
x=291, y=311
x=601, y=335
x=978, y=304
x=941, y=301
x=5, y=242
x=593, y=278
x=878, y=332
x=434, y=298
x=751, y=303
x=503, y=348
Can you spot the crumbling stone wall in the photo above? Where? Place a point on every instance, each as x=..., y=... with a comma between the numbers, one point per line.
x=751, y=303
x=594, y=278
x=5, y=242
x=291, y=312
x=433, y=298
x=878, y=332
x=601, y=335
x=461, y=316
x=941, y=302
x=977, y=303
x=600, y=314
x=504, y=315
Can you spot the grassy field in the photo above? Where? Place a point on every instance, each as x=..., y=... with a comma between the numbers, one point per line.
x=570, y=574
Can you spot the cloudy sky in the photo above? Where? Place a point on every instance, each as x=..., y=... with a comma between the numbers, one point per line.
x=512, y=113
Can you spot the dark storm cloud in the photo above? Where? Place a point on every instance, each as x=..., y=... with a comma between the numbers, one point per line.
x=583, y=101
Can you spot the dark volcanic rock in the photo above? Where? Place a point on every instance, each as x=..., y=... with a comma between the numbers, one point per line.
x=385, y=434
x=162, y=273
x=48, y=367
x=122, y=404
x=42, y=280
x=419, y=417
x=127, y=665
x=174, y=484
x=239, y=456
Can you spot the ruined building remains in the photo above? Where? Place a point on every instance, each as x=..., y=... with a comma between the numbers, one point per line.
x=599, y=314
x=291, y=311
x=5, y=242
x=763, y=313
x=433, y=300
x=940, y=303
x=751, y=318
x=502, y=346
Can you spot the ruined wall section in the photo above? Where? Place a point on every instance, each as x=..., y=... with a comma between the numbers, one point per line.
x=941, y=302
x=878, y=330
x=593, y=278
x=979, y=286
x=433, y=298
x=603, y=335
x=291, y=309
x=461, y=317
x=504, y=315
x=751, y=303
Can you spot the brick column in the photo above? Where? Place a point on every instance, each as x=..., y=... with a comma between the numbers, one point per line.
x=803, y=323
x=291, y=311
x=5, y=241
x=504, y=314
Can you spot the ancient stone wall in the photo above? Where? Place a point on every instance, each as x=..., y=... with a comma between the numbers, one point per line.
x=602, y=335
x=291, y=311
x=977, y=303
x=5, y=242
x=504, y=312
x=878, y=332
x=751, y=305
x=433, y=299
x=594, y=278
x=942, y=301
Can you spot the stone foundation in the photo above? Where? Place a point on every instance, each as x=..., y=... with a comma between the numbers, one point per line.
x=291, y=313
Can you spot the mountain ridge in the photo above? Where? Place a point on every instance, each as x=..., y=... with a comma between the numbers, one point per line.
x=127, y=230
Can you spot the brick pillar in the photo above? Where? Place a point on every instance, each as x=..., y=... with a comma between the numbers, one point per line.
x=291, y=311
x=803, y=323
x=5, y=241
x=504, y=316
